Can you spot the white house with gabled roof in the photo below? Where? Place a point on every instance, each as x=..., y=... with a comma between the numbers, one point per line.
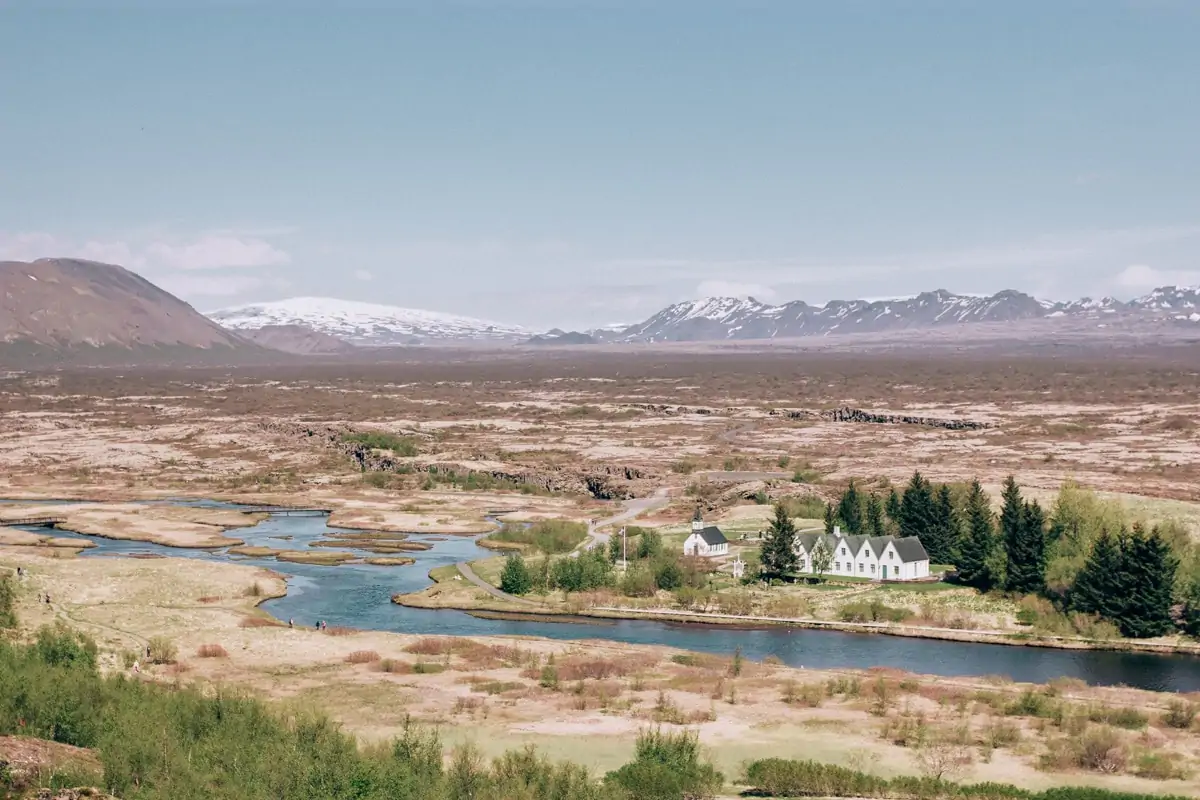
x=884, y=558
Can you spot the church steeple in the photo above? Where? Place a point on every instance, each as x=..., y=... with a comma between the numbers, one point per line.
x=697, y=520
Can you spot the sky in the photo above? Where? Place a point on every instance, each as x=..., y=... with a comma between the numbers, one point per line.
x=584, y=163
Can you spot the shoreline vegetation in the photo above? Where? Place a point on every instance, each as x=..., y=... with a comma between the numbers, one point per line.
x=487, y=606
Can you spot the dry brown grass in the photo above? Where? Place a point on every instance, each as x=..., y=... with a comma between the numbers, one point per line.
x=362, y=657
x=339, y=630
x=211, y=651
x=212, y=598
x=432, y=646
x=394, y=666
x=259, y=622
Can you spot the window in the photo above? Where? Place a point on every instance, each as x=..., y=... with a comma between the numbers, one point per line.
x=837, y=565
x=843, y=551
x=872, y=569
x=802, y=567
x=860, y=567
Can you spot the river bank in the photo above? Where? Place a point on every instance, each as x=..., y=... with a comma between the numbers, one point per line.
x=451, y=591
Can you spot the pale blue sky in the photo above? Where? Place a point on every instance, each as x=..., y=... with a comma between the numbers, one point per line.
x=579, y=163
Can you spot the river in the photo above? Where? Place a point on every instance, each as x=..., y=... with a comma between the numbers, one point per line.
x=359, y=596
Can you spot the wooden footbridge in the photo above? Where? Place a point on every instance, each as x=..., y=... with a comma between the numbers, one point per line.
x=32, y=522
x=289, y=511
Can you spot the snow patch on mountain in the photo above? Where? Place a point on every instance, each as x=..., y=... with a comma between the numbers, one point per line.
x=364, y=323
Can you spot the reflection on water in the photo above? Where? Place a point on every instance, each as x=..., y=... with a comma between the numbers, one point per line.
x=359, y=596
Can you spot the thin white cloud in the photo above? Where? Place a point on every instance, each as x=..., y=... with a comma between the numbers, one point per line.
x=199, y=252
x=363, y=275
x=195, y=284
x=1143, y=277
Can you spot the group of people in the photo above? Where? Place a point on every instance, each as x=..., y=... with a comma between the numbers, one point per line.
x=319, y=624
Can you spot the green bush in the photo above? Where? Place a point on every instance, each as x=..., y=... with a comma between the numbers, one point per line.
x=873, y=611
x=515, y=578
x=550, y=536
x=667, y=766
x=638, y=582
x=8, y=601
x=587, y=571
x=379, y=440
x=1180, y=715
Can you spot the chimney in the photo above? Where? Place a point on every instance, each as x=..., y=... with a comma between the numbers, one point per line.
x=837, y=530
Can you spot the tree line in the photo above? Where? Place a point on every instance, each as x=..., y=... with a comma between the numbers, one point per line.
x=1082, y=554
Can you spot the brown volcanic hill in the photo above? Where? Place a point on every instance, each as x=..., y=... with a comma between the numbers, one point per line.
x=64, y=303
x=297, y=339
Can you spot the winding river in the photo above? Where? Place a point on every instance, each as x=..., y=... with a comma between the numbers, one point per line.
x=359, y=596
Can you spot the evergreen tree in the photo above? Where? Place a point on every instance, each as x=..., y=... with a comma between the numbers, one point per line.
x=916, y=508
x=876, y=525
x=615, y=546
x=942, y=534
x=850, y=509
x=1027, y=554
x=831, y=519
x=1149, y=577
x=892, y=507
x=974, y=557
x=1098, y=587
x=1012, y=526
x=515, y=577
x=778, y=550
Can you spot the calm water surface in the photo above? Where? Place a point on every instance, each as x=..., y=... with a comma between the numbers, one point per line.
x=359, y=596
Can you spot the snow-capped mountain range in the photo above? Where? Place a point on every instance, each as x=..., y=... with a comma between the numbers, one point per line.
x=365, y=323
x=713, y=318
x=717, y=318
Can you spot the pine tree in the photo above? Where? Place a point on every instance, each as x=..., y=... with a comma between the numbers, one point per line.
x=831, y=520
x=916, y=507
x=850, y=509
x=1149, y=577
x=515, y=577
x=977, y=542
x=778, y=550
x=1098, y=587
x=893, y=509
x=1027, y=554
x=1012, y=526
x=942, y=534
x=876, y=525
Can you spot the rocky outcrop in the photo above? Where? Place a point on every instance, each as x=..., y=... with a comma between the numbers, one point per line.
x=848, y=414
x=670, y=411
x=602, y=481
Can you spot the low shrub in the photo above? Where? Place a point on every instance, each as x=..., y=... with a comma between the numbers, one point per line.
x=1180, y=715
x=776, y=777
x=362, y=657
x=162, y=650
x=211, y=651
x=1118, y=716
x=873, y=611
x=427, y=668
x=394, y=666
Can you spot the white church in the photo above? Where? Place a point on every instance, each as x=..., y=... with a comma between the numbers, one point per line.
x=705, y=541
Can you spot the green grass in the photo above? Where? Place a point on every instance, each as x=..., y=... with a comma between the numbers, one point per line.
x=551, y=536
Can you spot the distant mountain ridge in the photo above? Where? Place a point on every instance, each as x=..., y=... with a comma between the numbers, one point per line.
x=715, y=318
x=368, y=324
